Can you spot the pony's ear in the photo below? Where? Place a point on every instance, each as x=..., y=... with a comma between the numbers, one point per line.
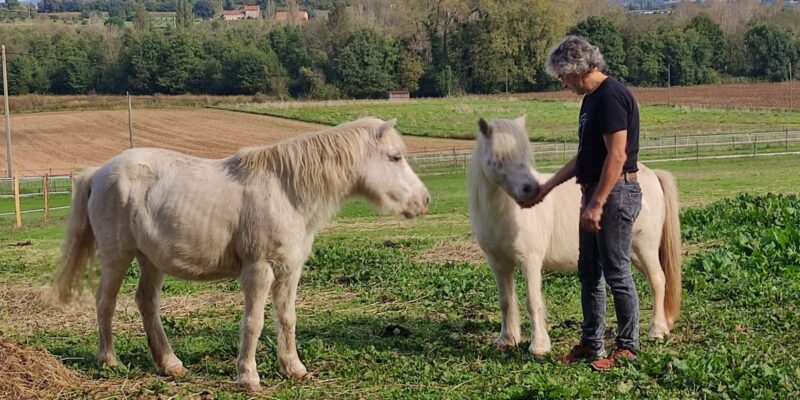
x=521, y=121
x=386, y=126
x=484, y=127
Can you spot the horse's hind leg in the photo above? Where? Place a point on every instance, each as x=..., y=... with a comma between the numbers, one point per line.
x=509, y=310
x=648, y=262
x=113, y=269
x=148, y=299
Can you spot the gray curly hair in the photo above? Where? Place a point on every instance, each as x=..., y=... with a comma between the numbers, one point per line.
x=574, y=55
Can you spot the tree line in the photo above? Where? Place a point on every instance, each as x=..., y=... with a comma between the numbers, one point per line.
x=428, y=47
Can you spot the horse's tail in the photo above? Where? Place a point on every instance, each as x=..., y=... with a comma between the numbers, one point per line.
x=78, y=248
x=669, y=251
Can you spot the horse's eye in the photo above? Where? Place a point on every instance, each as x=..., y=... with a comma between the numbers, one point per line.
x=395, y=158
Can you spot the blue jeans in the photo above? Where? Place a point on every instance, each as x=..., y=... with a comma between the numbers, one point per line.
x=607, y=254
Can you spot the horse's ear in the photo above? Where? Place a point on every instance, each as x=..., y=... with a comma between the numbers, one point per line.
x=386, y=126
x=521, y=121
x=485, y=130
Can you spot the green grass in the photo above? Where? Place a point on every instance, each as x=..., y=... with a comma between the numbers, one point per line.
x=736, y=338
x=547, y=120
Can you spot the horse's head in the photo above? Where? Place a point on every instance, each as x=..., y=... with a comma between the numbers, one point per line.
x=503, y=151
x=387, y=180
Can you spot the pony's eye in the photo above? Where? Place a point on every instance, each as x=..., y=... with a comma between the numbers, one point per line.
x=395, y=158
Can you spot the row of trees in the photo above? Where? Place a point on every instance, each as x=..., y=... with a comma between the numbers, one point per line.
x=429, y=47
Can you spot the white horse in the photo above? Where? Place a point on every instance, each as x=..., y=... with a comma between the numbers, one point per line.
x=500, y=178
x=252, y=215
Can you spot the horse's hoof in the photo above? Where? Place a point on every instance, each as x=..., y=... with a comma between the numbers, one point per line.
x=109, y=361
x=176, y=371
x=300, y=375
x=539, y=351
x=502, y=347
x=249, y=386
x=658, y=332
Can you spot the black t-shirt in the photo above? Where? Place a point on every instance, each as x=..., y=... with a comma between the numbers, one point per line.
x=610, y=108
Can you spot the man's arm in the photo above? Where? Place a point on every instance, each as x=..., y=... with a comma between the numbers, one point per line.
x=612, y=169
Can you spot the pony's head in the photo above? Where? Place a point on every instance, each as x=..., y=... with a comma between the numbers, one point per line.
x=503, y=151
x=387, y=180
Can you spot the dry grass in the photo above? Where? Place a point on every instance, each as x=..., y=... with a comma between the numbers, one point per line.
x=449, y=250
x=33, y=373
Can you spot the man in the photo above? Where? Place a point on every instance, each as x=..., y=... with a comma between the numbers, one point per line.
x=605, y=167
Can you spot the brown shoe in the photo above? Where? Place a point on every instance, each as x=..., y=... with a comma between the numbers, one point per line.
x=581, y=351
x=617, y=356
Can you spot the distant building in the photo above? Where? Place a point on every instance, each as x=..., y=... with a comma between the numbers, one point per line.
x=244, y=12
x=252, y=12
x=283, y=16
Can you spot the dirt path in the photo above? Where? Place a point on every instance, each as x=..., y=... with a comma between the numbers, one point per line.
x=59, y=142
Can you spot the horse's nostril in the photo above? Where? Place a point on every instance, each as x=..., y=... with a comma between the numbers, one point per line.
x=427, y=200
x=527, y=189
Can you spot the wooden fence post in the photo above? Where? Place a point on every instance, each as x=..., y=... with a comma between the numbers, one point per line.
x=675, y=142
x=755, y=141
x=17, y=210
x=46, y=189
x=787, y=139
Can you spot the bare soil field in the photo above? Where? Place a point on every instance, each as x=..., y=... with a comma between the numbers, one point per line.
x=60, y=142
x=752, y=95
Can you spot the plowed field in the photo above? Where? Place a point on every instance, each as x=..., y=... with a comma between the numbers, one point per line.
x=59, y=142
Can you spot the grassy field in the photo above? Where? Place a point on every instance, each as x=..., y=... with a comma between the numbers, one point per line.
x=548, y=120
x=736, y=338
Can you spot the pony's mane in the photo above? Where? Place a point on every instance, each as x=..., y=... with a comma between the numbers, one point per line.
x=322, y=160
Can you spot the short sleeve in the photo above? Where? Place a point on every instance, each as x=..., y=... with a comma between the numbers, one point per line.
x=613, y=115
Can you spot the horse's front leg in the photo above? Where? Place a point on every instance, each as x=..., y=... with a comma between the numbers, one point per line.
x=284, y=295
x=509, y=311
x=540, y=340
x=256, y=280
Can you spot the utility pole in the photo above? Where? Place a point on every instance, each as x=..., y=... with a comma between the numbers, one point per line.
x=130, y=121
x=8, y=114
x=669, y=85
x=791, y=95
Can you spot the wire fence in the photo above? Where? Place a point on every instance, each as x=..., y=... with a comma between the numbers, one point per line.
x=44, y=193
x=676, y=148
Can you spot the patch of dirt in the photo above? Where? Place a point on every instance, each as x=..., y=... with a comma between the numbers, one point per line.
x=62, y=142
x=751, y=95
x=33, y=373
x=449, y=250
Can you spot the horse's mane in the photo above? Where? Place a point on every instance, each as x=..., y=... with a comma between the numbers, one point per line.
x=313, y=161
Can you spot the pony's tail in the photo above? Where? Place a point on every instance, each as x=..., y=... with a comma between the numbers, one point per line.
x=669, y=251
x=78, y=248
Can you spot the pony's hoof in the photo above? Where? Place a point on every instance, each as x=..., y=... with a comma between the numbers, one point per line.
x=107, y=360
x=250, y=386
x=300, y=374
x=177, y=371
x=502, y=346
x=658, y=332
x=539, y=351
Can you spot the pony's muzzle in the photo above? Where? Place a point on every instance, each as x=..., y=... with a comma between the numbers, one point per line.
x=417, y=206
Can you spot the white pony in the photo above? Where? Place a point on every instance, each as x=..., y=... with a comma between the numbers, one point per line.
x=252, y=215
x=500, y=178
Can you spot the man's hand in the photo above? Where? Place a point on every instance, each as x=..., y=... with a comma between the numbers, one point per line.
x=544, y=189
x=590, y=218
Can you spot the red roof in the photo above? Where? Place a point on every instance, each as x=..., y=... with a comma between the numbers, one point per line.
x=252, y=8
